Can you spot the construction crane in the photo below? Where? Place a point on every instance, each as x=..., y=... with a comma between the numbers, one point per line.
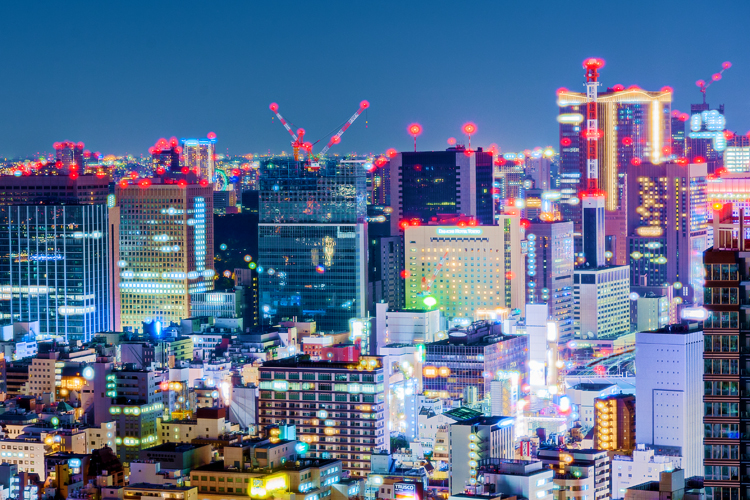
x=427, y=282
x=299, y=143
x=702, y=85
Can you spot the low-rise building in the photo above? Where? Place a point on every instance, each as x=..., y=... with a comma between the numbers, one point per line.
x=509, y=477
x=642, y=467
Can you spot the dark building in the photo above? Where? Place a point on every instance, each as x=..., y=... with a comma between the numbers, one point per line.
x=69, y=156
x=697, y=145
x=678, y=134
x=427, y=184
x=385, y=261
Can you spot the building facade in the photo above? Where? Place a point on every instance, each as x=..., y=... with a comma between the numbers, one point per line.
x=601, y=302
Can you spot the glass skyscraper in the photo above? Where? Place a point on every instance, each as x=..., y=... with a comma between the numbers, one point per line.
x=55, y=268
x=312, y=243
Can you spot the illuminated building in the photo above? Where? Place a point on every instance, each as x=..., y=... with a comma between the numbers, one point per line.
x=737, y=159
x=641, y=467
x=678, y=133
x=671, y=484
x=385, y=261
x=146, y=491
x=725, y=416
x=614, y=423
x=166, y=159
x=601, y=302
x=312, y=253
x=209, y=423
x=28, y=454
x=538, y=167
x=474, y=441
x=69, y=153
x=406, y=326
x=669, y=386
x=226, y=304
x=652, y=312
x=543, y=350
x=463, y=269
x=199, y=155
x=471, y=358
x=166, y=249
x=579, y=470
x=667, y=219
x=549, y=270
x=357, y=428
x=706, y=137
x=519, y=478
x=429, y=183
x=379, y=184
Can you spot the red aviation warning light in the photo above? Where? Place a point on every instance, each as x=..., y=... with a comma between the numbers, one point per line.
x=592, y=65
x=468, y=129
x=702, y=85
x=415, y=129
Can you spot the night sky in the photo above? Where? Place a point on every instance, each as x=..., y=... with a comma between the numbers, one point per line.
x=119, y=75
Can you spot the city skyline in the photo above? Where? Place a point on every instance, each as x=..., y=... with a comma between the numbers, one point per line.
x=109, y=93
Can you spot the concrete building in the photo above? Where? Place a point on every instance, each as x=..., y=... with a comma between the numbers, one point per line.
x=642, y=466
x=28, y=454
x=652, y=312
x=669, y=386
x=406, y=326
x=671, y=484
x=601, y=302
x=521, y=478
x=614, y=423
x=475, y=440
x=579, y=470
x=464, y=269
x=181, y=456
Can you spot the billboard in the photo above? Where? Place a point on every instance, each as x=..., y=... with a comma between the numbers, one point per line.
x=408, y=491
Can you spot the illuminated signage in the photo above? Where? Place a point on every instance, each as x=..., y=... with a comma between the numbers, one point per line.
x=459, y=231
x=406, y=491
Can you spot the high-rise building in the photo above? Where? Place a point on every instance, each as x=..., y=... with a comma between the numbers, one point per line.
x=469, y=358
x=652, y=312
x=726, y=416
x=312, y=251
x=601, y=302
x=706, y=137
x=614, y=423
x=199, y=155
x=464, y=269
x=477, y=440
x=549, y=270
x=69, y=154
x=54, y=234
x=670, y=396
x=358, y=392
x=667, y=226
x=385, y=260
x=737, y=159
x=430, y=183
x=166, y=249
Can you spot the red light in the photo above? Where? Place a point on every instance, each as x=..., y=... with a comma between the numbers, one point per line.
x=468, y=152
x=728, y=134
x=635, y=161
x=152, y=150
x=493, y=149
x=203, y=182
x=160, y=170
x=211, y=135
x=74, y=175
x=418, y=168
x=634, y=87
x=451, y=141
x=681, y=161
x=381, y=161
x=173, y=141
x=469, y=128
x=273, y=107
x=593, y=63
x=726, y=65
x=73, y=167
x=721, y=171
x=300, y=132
x=684, y=117
x=162, y=143
x=500, y=161
x=667, y=89
x=185, y=170
x=100, y=174
x=594, y=134
x=675, y=113
x=124, y=183
x=391, y=153
x=236, y=172
x=525, y=223
x=364, y=104
x=178, y=150
x=511, y=202
x=87, y=154
x=80, y=145
x=403, y=224
x=57, y=145
x=716, y=77
x=518, y=161
x=97, y=154
x=335, y=139
x=307, y=146
x=133, y=174
x=562, y=90
x=666, y=150
x=700, y=83
x=415, y=129
x=699, y=159
x=718, y=206
x=627, y=141
x=472, y=223
x=415, y=222
x=510, y=275
x=58, y=164
x=405, y=274
x=565, y=141
x=182, y=183
x=619, y=87
x=462, y=224
x=145, y=183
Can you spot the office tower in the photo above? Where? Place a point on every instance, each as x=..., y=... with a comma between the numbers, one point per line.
x=166, y=249
x=601, y=302
x=579, y=470
x=652, y=312
x=430, y=183
x=312, y=253
x=405, y=327
x=593, y=230
x=678, y=133
x=464, y=360
x=357, y=428
x=53, y=231
x=464, y=269
x=726, y=417
x=379, y=183
x=549, y=270
x=474, y=441
x=69, y=153
x=614, y=423
x=670, y=395
x=385, y=261
x=199, y=155
x=667, y=219
x=165, y=156
x=543, y=342
x=737, y=159
x=706, y=135
x=538, y=167
x=509, y=176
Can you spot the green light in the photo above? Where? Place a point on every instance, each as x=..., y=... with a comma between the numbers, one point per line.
x=429, y=301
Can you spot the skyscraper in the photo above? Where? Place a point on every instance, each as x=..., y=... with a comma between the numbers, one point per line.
x=667, y=219
x=69, y=154
x=53, y=232
x=313, y=243
x=166, y=248
x=549, y=270
x=601, y=302
x=429, y=183
x=706, y=137
x=199, y=155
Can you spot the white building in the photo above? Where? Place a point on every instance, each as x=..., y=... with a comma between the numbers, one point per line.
x=586, y=474
x=652, y=312
x=642, y=467
x=601, y=302
x=543, y=338
x=406, y=327
x=669, y=386
x=474, y=440
x=521, y=478
x=737, y=159
x=582, y=398
x=27, y=454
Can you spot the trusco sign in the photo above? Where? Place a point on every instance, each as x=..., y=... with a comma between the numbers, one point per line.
x=459, y=231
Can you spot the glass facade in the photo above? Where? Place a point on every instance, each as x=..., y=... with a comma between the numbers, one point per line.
x=312, y=245
x=54, y=268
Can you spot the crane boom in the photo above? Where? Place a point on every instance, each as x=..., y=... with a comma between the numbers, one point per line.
x=337, y=138
x=275, y=108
